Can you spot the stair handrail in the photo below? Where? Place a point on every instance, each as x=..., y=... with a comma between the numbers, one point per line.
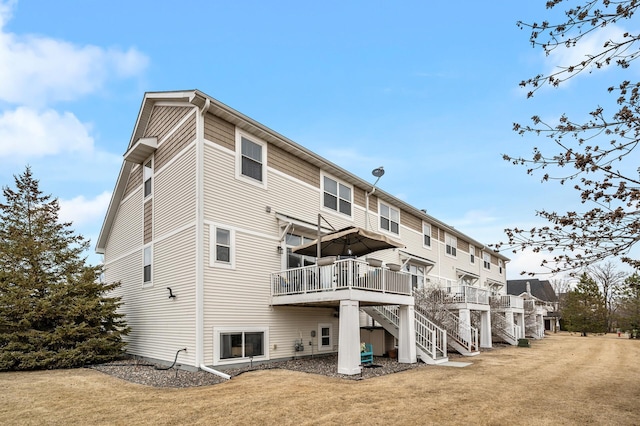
x=455, y=329
x=429, y=337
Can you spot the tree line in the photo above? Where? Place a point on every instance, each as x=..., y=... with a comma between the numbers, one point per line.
x=604, y=300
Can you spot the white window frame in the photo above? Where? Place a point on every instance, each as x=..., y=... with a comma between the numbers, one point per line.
x=217, y=331
x=486, y=260
x=147, y=176
x=418, y=274
x=500, y=266
x=305, y=259
x=426, y=227
x=328, y=347
x=391, y=210
x=451, y=245
x=239, y=136
x=339, y=183
x=147, y=248
x=472, y=254
x=213, y=235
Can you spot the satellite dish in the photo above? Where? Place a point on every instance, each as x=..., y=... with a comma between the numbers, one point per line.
x=378, y=172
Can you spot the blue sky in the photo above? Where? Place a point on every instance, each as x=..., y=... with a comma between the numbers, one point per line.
x=428, y=90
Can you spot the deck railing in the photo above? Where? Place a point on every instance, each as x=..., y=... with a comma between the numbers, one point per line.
x=508, y=301
x=429, y=337
x=461, y=294
x=341, y=275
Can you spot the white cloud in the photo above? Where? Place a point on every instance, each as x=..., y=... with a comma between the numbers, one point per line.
x=36, y=70
x=528, y=262
x=81, y=210
x=25, y=132
x=592, y=43
x=474, y=218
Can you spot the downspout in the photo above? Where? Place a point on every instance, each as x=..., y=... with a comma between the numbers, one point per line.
x=216, y=372
x=366, y=216
x=200, y=234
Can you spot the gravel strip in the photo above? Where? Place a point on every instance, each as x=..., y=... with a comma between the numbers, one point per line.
x=146, y=374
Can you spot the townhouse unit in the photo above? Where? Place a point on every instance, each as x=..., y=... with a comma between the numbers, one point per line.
x=212, y=230
x=541, y=305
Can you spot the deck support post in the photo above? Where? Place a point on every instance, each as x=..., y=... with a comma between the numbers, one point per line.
x=406, y=335
x=485, y=329
x=349, y=338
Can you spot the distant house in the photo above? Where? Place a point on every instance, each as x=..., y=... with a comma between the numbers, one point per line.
x=206, y=229
x=543, y=297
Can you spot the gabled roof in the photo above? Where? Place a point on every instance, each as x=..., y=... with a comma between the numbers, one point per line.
x=206, y=103
x=539, y=289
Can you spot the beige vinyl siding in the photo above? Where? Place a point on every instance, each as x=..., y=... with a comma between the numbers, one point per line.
x=359, y=198
x=240, y=298
x=463, y=245
x=174, y=266
x=219, y=131
x=175, y=195
x=295, y=167
x=410, y=221
x=128, y=271
x=126, y=232
x=174, y=144
x=289, y=323
x=373, y=204
x=244, y=205
x=160, y=325
x=148, y=221
x=134, y=181
x=163, y=119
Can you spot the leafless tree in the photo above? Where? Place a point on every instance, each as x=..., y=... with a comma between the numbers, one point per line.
x=610, y=281
x=595, y=155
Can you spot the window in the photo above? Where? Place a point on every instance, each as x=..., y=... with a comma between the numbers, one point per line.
x=295, y=260
x=242, y=344
x=389, y=219
x=147, y=174
x=223, y=245
x=486, y=257
x=337, y=196
x=426, y=234
x=325, y=337
x=500, y=265
x=472, y=254
x=147, y=265
x=451, y=245
x=417, y=275
x=251, y=159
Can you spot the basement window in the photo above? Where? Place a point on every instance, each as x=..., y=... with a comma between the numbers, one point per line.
x=238, y=344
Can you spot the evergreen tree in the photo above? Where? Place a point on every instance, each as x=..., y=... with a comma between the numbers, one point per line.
x=629, y=309
x=53, y=311
x=584, y=308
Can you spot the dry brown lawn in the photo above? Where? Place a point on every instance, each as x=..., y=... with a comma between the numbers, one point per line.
x=564, y=379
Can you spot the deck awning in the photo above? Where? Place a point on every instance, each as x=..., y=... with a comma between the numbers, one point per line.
x=467, y=276
x=494, y=284
x=407, y=257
